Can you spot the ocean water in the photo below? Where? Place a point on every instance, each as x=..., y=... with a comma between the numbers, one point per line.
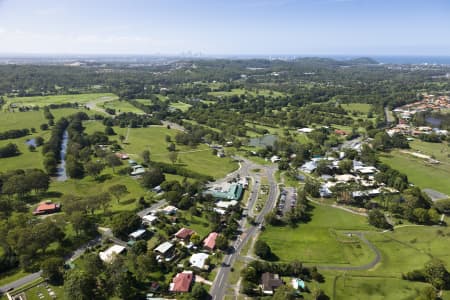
x=439, y=60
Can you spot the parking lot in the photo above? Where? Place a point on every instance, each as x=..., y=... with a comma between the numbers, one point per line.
x=288, y=199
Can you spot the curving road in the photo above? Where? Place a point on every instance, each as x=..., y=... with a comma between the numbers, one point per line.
x=76, y=254
x=367, y=266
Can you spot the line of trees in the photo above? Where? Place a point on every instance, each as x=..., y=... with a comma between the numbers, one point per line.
x=9, y=150
x=52, y=148
x=14, y=133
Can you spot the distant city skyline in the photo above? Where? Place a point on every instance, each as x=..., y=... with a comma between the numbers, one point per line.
x=233, y=27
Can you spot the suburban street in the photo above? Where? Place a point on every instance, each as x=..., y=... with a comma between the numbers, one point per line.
x=75, y=254
x=220, y=283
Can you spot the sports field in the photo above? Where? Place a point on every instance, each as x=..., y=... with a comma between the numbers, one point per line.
x=58, y=99
x=120, y=106
x=322, y=240
x=358, y=107
x=239, y=92
x=421, y=172
x=180, y=105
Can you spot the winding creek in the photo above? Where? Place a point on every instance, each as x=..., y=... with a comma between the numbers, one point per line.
x=62, y=174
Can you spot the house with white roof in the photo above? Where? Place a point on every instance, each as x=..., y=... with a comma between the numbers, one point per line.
x=109, y=254
x=226, y=204
x=169, y=210
x=305, y=130
x=149, y=219
x=198, y=260
x=138, y=234
x=309, y=166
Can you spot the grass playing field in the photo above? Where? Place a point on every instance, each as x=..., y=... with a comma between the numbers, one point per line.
x=180, y=105
x=358, y=107
x=120, y=107
x=321, y=240
x=239, y=92
x=420, y=172
x=57, y=99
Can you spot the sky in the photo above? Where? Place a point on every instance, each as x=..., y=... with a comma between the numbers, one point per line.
x=227, y=27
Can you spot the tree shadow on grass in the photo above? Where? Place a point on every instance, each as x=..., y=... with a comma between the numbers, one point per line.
x=103, y=178
x=128, y=201
x=52, y=194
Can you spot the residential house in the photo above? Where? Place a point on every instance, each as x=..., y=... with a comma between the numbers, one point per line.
x=226, y=204
x=184, y=234
x=47, y=207
x=182, y=282
x=340, y=132
x=309, y=166
x=169, y=210
x=269, y=282
x=210, y=242
x=275, y=159
x=149, y=219
x=122, y=156
x=305, y=130
x=109, y=254
x=137, y=235
x=165, y=250
x=199, y=261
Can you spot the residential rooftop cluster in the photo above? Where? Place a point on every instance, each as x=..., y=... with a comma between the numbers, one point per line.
x=428, y=103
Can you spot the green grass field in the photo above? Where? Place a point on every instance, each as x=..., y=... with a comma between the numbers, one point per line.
x=180, y=105
x=440, y=151
x=27, y=159
x=199, y=159
x=20, y=120
x=374, y=288
x=121, y=106
x=419, y=172
x=88, y=186
x=57, y=99
x=144, y=101
x=239, y=92
x=418, y=242
x=321, y=240
x=358, y=107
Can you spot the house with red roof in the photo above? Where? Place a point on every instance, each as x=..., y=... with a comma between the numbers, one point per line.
x=340, y=132
x=182, y=282
x=210, y=242
x=184, y=234
x=47, y=207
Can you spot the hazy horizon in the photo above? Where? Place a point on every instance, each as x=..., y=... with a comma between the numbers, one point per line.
x=226, y=28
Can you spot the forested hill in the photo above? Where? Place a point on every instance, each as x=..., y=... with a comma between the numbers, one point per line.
x=305, y=79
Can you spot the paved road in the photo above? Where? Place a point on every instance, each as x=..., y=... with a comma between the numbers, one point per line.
x=389, y=116
x=220, y=283
x=155, y=206
x=20, y=282
x=75, y=254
